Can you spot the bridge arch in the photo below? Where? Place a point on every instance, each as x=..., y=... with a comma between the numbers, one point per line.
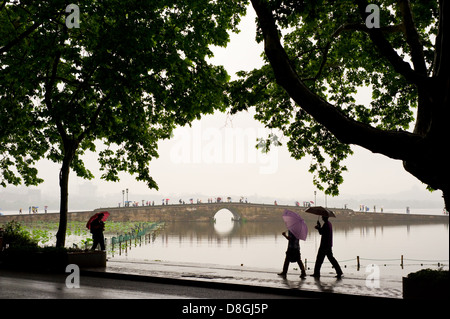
x=232, y=210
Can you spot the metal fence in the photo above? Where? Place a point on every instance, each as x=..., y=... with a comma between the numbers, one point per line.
x=142, y=233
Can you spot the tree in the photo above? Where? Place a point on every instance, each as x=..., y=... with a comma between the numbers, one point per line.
x=320, y=52
x=125, y=78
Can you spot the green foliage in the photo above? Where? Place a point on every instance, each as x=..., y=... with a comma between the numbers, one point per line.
x=126, y=77
x=44, y=232
x=17, y=236
x=123, y=80
x=331, y=52
x=87, y=242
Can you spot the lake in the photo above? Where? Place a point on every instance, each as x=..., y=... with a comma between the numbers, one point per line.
x=261, y=245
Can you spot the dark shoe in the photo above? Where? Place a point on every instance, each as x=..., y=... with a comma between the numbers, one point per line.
x=339, y=276
x=282, y=274
x=303, y=275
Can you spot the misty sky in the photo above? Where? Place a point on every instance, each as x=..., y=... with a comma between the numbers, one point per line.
x=216, y=156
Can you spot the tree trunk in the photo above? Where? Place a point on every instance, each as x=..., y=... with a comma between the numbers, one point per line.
x=64, y=192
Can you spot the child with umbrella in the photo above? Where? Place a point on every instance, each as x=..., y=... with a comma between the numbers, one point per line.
x=297, y=230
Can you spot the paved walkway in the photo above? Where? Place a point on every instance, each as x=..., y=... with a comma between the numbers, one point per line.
x=353, y=284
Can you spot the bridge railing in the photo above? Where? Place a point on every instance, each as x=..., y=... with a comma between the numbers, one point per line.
x=142, y=232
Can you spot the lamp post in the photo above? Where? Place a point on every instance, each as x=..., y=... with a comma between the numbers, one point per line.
x=315, y=199
x=123, y=198
x=127, y=198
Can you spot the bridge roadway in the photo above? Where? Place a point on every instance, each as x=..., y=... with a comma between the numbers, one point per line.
x=241, y=211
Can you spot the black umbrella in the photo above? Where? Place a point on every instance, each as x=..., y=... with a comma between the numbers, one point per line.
x=320, y=211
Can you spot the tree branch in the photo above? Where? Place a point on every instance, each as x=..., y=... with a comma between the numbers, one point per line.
x=22, y=36
x=82, y=85
x=350, y=27
x=394, y=144
x=386, y=50
x=3, y=5
x=93, y=121
x=49, y=86
x=413, y=38
x=441, y=64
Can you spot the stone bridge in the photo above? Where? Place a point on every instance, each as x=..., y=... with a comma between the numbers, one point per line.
x=240, y=211
x=203, y=212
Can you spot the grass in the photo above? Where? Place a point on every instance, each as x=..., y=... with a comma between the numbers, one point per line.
x=44, y=232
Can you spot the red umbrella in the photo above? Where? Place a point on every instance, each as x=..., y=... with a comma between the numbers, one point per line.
x=295, y=224
x=94, y=217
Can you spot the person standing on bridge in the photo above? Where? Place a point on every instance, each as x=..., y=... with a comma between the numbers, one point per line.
x=292, y=255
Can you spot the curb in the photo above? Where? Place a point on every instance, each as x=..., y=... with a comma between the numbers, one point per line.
x=230, y=286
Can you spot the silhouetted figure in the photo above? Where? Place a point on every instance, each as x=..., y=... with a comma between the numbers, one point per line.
x=292, y=255
x=325, y=249
x=97, y=228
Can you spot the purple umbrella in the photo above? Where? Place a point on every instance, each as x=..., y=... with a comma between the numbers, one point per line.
x=295, y=224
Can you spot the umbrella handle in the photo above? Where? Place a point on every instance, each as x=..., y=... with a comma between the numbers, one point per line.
x=318, y=222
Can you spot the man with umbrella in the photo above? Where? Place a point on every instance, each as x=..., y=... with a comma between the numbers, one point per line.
x=325, y=249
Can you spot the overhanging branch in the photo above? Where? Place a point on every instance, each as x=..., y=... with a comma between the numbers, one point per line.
x=413, y=38
x=386, y=50
x=394, y=144
x=441, y=63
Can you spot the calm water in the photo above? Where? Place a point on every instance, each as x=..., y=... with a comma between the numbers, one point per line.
x=261, y=245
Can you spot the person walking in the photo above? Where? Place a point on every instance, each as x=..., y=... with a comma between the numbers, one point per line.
x=325, y=248
x=97, y=227
x=292, y=255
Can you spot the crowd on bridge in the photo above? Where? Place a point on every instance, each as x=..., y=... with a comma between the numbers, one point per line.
x=166, y=201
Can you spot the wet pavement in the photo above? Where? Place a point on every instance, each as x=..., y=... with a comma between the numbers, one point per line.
x=353, y=284
x=22, y=285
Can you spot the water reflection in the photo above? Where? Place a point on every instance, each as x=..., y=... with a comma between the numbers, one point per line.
x=260, y=244
x=223, y=222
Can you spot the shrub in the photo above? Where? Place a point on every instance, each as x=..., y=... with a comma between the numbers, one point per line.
x=430, y=275
x=426, y=284
x=16, y=236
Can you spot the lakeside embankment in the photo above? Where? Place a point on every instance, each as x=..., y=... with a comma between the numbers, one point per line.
x=246, y=212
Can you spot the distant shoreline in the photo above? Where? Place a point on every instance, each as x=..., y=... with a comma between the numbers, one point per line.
x=413, y=211
x=246, y=212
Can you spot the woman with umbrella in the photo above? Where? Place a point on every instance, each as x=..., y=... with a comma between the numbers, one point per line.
x=97, y=226
x=297, y=230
